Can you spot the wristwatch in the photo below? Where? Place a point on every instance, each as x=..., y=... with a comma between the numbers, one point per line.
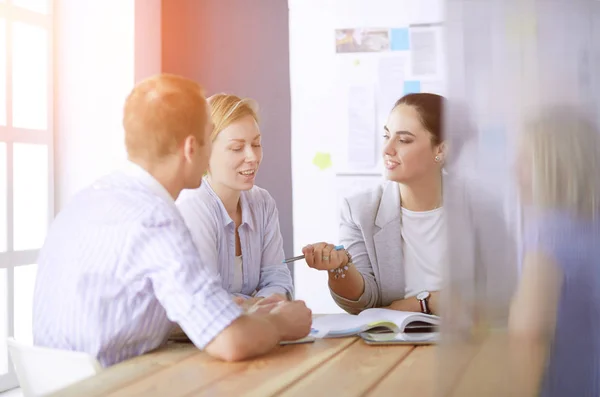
x=423, y=298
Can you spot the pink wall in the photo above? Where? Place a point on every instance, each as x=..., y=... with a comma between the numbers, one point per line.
x=242, y=47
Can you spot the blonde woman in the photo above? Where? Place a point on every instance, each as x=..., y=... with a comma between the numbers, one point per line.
x=557, y=304
x=235, y=224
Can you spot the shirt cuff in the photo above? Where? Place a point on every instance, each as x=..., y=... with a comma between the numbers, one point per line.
x=240, y=295
x=267, y=291
x=202, y=332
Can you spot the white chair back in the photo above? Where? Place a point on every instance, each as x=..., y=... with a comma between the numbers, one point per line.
x=42, y=370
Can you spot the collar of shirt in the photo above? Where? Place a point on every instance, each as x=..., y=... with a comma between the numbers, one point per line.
x=247, y=218
x=140, y=174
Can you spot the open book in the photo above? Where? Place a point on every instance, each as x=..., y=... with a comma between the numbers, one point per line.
x=373, y=321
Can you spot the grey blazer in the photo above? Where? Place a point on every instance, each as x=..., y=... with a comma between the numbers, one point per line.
x=481, y=253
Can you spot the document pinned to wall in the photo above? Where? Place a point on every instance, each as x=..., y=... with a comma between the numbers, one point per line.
x=362, y=139
x=425, y=50
x=390, y=83
x=362, y=40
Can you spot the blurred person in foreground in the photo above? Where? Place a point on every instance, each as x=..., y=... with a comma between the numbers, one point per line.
x=119, y=265
x=555, y=315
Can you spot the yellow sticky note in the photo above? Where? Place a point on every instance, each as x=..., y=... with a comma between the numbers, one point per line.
x=521, y=27
x=322, y=160
x=356, y=62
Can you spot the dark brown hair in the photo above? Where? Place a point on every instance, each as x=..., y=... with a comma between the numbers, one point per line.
x=430, y=108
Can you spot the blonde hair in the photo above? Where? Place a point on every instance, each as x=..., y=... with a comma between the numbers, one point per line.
x=226, y=109
x=160, y=113
x=565, y=150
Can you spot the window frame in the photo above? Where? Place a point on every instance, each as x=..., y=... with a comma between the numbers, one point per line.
x=10, y=135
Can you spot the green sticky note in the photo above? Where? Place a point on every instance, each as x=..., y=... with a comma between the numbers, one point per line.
x=322, y=160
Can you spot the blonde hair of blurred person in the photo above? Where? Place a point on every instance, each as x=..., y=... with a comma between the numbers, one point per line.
x=557, y=305
x=234, y=222
x=559, y=160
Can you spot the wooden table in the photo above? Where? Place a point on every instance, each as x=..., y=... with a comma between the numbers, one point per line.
x=344, y=367
x=329, y=367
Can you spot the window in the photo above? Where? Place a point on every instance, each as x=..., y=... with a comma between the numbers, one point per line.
x=26, y=162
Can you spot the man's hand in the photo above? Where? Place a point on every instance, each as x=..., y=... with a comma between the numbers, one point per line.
x=292, y=319
x=265, y=305
x=259, y=304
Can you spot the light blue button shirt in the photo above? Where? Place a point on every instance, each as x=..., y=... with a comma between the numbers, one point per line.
x=118, y=268
x=213, y=232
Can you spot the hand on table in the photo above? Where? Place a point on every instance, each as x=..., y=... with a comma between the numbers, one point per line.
x=292, y=318
x=261, y=305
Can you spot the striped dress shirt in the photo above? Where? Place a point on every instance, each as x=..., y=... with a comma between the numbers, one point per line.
x=213, y=232
x=119, y=268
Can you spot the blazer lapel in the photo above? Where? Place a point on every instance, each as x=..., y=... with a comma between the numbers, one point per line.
x=388, y=248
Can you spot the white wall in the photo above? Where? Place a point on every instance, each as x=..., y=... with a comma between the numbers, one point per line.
x=100, y=53
x=319, y=88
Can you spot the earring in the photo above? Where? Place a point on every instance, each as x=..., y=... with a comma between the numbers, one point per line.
x=437, y=159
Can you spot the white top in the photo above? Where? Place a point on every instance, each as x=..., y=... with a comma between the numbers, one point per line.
x=425, y=250
x=238, y=276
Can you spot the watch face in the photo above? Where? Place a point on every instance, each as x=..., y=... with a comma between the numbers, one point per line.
x=423, y=295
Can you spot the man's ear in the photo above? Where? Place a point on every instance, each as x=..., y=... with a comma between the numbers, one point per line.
x=190, y=145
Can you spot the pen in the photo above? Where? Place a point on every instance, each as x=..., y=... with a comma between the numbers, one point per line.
x=297, y=258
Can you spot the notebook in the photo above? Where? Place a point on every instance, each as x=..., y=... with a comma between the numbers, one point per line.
x=373, y=321
x=402, y=338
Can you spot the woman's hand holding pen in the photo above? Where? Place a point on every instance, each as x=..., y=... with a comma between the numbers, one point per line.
x=324, y=256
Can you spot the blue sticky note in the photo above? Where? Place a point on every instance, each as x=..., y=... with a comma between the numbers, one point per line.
x=400, y=40
x=412, y=87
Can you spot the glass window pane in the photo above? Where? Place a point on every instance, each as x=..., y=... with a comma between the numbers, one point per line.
x=30, y=195
x=24, y=285
x=40, y=6
x=3, y=197
x=30, y=76
x=2, y=71
x=3, y=322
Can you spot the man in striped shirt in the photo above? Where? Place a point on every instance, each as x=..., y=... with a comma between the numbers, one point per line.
x=119, y=267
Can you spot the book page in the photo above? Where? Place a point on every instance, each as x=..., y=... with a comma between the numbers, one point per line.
x=337, y=323
x=397, y=317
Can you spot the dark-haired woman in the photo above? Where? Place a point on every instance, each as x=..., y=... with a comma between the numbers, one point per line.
x=396, y=239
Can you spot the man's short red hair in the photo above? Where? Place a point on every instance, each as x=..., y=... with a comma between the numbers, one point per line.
x=160, y=113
